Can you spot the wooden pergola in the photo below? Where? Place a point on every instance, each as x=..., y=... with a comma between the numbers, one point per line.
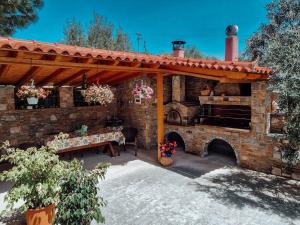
x=59, y=65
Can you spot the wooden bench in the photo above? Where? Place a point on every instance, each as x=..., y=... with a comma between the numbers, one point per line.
x=107, y=144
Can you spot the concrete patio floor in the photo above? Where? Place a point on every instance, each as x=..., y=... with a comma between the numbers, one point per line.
x=202, y=191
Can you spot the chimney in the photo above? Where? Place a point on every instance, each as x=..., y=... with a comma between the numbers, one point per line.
x=178, y=48
x=178, y=82
x=231, y=44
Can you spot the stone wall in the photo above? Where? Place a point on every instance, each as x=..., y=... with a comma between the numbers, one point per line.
x=31, y=125
x=141, y=116
x=253, y=148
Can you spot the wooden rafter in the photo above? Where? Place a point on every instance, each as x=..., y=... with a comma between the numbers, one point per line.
x=31, y=73
x=72, y=77
x=109, y=75
x=52, y=76
x=4, y=70
x=122, y=77
x=117, y=76
x=101, y=75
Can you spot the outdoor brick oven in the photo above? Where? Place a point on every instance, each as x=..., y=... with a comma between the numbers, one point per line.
x=179, y=111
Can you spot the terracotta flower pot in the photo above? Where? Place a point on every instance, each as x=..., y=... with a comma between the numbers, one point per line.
x=166, y=161
x=42, y=216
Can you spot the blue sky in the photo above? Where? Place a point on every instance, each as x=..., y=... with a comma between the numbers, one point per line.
x=199, y=22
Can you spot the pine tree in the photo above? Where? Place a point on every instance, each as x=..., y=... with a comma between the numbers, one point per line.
x=100, y=33
x=193, y=52
x=277, y=45
x=74, y=34
x=122, y=41
x=16, y=14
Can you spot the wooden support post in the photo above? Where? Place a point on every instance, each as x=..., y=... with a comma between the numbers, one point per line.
x=160, y=111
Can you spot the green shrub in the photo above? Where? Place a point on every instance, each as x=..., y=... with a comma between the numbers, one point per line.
x=79, y=201
x=34, y=176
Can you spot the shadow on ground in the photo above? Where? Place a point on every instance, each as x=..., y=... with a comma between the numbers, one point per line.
x=242, y=188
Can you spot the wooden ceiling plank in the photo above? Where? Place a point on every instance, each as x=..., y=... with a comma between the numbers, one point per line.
x=116, y=81
x=98, y=76
x=72, y=77
x=30, y=74
x=108, y=75
x=4, y=70
x=52, y=76
x=120, y=76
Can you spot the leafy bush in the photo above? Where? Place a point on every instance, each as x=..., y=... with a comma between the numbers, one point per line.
x=34, y=176
x=79, y=201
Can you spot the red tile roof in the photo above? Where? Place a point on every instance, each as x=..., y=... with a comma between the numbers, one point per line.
x=75, y=51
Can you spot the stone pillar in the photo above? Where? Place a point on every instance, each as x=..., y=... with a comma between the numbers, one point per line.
x=66, y=97
x=7, y=98
x=178, y=88
x=260, y=108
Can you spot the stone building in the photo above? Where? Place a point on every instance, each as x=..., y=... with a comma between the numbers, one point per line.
x=204, y=101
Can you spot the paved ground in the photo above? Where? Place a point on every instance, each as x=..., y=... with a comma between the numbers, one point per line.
x=193, y=191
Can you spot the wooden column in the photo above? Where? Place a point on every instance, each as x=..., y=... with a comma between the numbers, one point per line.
x=160, y=111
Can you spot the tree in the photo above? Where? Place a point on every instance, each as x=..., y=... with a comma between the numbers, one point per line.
x=122, y=41
x=74, y=34
x=16, y=14
x=193, y=52
x=100, y=34
x=277, y=45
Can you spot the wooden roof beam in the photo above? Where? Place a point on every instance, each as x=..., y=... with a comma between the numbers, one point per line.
x=72, y=77
x=4, y=70
x=30, y=74
x=118, y=80
x=120, y=77
x=105, y=75
x=52, y=76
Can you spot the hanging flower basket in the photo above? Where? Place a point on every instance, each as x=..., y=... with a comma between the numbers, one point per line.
x=31, y=93
x=142, y=91
x=101, y=94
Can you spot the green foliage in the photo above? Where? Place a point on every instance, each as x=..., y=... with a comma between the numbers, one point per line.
x=34, y=176
x=74, y=34
x=122, y=41
x=17, y=14
x=277, y=45
x=100, y=34
x=79, y=201
x=193, y=52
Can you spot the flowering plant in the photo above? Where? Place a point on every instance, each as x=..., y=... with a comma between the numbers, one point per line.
x=101, y=94
x=167, y=148
x=142, y=91
x=27, y=91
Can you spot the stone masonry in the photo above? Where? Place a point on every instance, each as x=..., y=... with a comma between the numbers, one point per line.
x=31, y=125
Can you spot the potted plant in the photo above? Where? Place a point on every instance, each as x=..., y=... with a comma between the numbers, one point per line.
x=167, y=149
x=101, y=94
x=31, y=93
x=79, y=200
x=35, y=179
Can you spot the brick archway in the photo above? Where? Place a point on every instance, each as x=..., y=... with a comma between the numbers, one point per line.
x=175, y=136
x=232, y=145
